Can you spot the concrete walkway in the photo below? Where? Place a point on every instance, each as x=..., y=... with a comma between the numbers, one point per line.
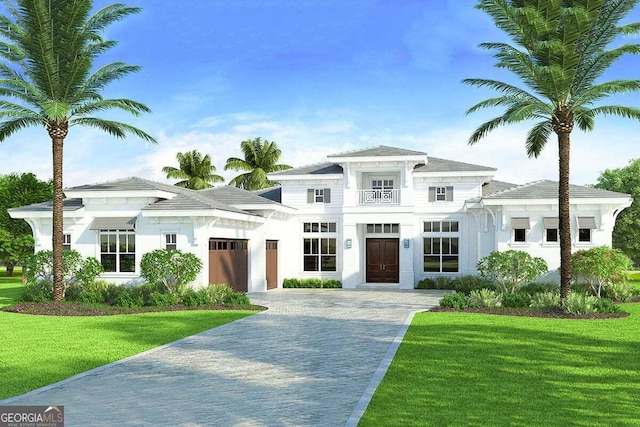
x=304, y=362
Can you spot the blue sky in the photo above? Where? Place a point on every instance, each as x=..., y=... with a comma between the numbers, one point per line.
x=318, y=77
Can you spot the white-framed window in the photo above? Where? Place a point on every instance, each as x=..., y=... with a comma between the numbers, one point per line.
x=441, y=247
x=586, y=225
x=383, y=228
x=118, y=251
x=318, y=195
x=551, y=226
x=170, y=241
x=520, y=227
x=441, y=194
x=66, y=242
x=319, y=246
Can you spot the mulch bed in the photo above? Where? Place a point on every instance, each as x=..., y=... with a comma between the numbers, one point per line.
x=533, y=312
x=78, y=309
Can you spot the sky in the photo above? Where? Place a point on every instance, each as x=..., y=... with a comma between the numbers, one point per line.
x=318, y=77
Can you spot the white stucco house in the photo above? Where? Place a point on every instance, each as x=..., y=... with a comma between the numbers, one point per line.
x=380, y=215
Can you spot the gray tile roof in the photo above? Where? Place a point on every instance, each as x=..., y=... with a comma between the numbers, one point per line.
x=235, y=196
x=67, y=205
x=546, y=189
x=435, y=164
x=191, y=200
x=317, y=169
x=129, y=184
x=494, y=186
x=379, y=151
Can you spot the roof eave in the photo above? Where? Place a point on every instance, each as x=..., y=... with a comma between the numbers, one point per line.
x=279, y=178
x=621, y=201
x=218, y=213
x=88, y=194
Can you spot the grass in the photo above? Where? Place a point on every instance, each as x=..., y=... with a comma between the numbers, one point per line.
x=40, y=350
x=476, y=369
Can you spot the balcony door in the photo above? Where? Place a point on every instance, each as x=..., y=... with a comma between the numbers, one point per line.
x=383, y=189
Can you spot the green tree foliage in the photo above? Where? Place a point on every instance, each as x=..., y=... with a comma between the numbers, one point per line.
x=16, y=241
x=195, y=171
x=260, y=158
x=48, y=79
x=600, y=267
x=511, y=269
x=625, y=233
x=559, y=50
x=172, y=269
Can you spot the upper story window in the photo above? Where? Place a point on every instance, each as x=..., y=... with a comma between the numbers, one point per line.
x=441, y=194
x=319, y=195
x=585, y=226
x=382, y=184
x=118, y=251
x=520, y=227
x=170, y=241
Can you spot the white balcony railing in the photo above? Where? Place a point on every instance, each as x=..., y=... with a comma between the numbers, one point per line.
x=379, y=197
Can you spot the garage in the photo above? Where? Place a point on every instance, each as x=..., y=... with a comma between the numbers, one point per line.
x=228, y=262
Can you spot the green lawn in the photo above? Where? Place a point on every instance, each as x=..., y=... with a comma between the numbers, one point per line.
x=40, y=350
x=466, y=369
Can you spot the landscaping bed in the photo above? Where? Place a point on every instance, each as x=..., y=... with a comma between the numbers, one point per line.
x=556, y=313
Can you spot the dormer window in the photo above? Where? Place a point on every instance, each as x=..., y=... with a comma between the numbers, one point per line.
x=319, y=195
x=441, y=194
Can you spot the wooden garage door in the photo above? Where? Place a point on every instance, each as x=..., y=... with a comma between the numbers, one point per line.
x=228, y=262
x=272, y=264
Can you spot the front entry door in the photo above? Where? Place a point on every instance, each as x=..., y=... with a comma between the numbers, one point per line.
x=382, y=260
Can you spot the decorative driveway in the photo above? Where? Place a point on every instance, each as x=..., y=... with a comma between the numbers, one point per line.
x=307, y=361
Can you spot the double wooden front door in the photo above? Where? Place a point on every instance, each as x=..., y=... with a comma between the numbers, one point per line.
x=383, y=258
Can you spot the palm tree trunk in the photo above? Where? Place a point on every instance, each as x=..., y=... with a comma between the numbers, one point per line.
x=564, y=214
x=56, y=238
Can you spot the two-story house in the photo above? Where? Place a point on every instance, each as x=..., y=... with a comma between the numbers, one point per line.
x=381, y=215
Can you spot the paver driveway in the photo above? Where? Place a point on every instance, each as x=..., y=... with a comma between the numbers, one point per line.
x=305, y=361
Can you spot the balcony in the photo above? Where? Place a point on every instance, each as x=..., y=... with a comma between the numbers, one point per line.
x=379, y=197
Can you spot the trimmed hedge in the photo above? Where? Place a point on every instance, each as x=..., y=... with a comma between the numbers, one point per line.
x=311, y=283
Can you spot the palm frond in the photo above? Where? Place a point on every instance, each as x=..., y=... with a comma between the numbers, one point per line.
x=117, y=129
x=234, y=163
x=9, y=127
x=133, y=107
x=537, y=138
x=584, y=118
x=617, y=110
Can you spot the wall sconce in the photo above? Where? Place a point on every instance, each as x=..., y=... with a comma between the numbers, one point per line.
x=405, y=242
x=347, y=243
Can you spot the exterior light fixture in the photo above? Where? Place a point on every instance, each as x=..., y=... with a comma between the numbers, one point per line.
x=347, y=243
x=406, y=242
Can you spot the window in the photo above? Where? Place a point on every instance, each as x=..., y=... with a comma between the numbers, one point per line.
x=319, y=253
x=551, y=226
x=170, y=241
x=118, y=251
x=441, y=249
x=383, y=228
x=585, y=225
x=319, y=195
x=520, y=227
x=441, y=194
x=66, y=242
x=441, y=254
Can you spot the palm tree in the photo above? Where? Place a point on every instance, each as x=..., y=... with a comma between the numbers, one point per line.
x=260, y=158
x=195, y=171
x=560, y=50
x=48, y=77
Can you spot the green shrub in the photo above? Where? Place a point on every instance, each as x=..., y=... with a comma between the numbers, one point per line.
x=619, y=291
x=217, y=293
x=237, y=298
x=467, y=283
x=516, y=299
x=546, y=300
x=161, y=299
x=172, y=269
x=538, y=287
x=577, y=303
x=455, y=300
x=94, y=292
x=605, y=305
x=484, y=298
x=193, y=298
x=426, y=283
x=129, y=297
x=600, y=267
x=443, y=282
x=311, y=283
x=511, y=269
x=37, y=292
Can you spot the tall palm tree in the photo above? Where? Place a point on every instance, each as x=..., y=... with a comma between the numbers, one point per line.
x=559, y=51
x=195, y=171
x=260, y=158
x=48, y=79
